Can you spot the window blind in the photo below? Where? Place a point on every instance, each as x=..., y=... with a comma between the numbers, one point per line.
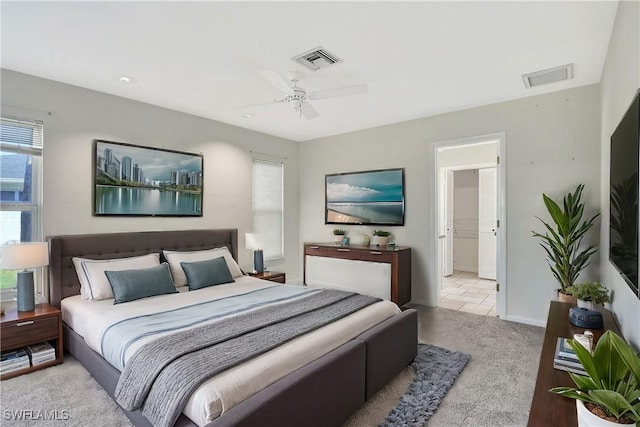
x=268, y=209
x=21, y=136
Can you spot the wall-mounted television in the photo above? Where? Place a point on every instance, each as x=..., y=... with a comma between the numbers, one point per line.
x=623, y=222
x=373, y=197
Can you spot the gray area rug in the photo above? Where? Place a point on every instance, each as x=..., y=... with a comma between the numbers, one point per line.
x=436, y=370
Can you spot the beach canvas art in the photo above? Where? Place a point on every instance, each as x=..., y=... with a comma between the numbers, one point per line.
x=131, y=180
x=369, y=197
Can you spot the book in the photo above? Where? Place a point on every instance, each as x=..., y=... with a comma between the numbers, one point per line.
x=13, y=357
x=570, y=369
x=43, y=359
x=567, y=361
x=15, y=366
x=40, y=349
x=563, y=349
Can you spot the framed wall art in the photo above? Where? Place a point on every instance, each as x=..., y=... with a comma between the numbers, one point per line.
x=131, y=180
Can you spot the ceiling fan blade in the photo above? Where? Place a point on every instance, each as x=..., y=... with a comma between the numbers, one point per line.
x=260, y=104
x=340, y=91
x=308, y=112
x=276, y=80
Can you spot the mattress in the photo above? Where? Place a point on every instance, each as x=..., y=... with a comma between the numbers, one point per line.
x=91, y=319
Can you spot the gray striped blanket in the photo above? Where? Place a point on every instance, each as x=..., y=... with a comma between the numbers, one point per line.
x=160, y=377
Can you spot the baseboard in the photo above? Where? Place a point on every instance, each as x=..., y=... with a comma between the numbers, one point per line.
x=527, y=321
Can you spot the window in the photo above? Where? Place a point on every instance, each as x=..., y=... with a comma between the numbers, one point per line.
x=268, y=204
x=20, y=191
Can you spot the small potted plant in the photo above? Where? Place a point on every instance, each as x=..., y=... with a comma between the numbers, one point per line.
x=338, y=234
x=562, y=241
x=380, y=238
x=608, y=395
x=591, y=295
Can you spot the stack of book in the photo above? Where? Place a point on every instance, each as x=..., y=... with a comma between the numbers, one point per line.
x=41, y=353
x=566, y=359
x=13, y=360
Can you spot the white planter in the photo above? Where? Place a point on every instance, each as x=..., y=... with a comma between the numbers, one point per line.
x=338, y=238
x=590, y=305
x=587, y=419
x=380, y=240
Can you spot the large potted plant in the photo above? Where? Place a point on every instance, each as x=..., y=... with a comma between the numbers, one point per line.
x=563, y=240
x=591, y=295
x=609, y=394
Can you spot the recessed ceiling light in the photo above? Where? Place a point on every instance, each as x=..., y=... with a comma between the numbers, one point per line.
x=125, y=79
x=248, y=116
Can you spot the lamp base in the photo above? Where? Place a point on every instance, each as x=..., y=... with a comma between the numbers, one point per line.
x=25, y=293
x=258, y=261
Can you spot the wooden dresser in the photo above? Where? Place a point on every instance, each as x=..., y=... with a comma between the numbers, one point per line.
x=550, y=409
x=397, y=282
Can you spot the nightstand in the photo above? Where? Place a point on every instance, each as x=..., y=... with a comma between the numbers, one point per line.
x=272, y=276
x=21, y=328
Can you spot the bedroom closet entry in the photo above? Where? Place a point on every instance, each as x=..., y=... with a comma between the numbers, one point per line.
x=468, y=199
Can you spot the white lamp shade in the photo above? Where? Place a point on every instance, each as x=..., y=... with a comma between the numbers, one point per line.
x=251, y=241
x=24, y=255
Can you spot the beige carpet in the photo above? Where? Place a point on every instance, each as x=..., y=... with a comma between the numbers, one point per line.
x=494, y=389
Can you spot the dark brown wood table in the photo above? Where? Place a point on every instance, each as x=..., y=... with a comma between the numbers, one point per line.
x=549, y=409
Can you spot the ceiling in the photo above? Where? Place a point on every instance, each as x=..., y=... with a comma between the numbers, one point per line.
x=418, y=58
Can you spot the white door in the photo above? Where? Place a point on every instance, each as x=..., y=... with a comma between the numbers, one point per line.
x=487, y=222
x=448, y=231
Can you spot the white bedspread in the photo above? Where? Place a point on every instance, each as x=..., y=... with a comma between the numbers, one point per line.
x=222, y=392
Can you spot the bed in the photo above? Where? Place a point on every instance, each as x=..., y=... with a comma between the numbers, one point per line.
x=323, y=390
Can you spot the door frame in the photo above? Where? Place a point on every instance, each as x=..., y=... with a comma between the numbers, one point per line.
x=501, y=213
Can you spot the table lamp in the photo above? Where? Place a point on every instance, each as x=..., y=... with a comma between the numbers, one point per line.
x=21, y=256
x=251, y=242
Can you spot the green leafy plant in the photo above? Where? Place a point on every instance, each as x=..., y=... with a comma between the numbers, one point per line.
x=590, y=291
x=613, y=378
x=339, y=232
x=563, y=241
x=380, y=233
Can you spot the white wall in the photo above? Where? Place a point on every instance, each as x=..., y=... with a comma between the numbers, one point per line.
x=619, y=84
x=465, y=220
x=78, y=116
x=552, y=144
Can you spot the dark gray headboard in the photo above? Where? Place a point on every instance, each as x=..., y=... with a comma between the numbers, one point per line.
x=63, y=280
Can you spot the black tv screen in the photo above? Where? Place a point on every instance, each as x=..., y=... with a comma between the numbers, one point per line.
x=366, y=198
x=623, y=223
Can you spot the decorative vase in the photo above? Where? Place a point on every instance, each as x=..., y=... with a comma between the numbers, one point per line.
x=567, y=298
x=586, y=418
x=590, y=305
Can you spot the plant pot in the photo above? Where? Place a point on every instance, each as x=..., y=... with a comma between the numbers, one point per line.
x=380, y=240
x=588, y=419
x=338, y=238
x=590, y=305
x=567, y=298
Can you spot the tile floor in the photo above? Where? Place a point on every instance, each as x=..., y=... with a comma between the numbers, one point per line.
x=464, y=291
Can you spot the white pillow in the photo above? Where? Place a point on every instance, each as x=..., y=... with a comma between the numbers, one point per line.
x=94, y=284
x=174, y=258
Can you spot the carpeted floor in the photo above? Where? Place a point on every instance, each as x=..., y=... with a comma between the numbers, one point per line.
x=493, y=390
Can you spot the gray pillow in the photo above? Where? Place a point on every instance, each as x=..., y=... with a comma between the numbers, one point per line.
x=129, y=285
x=202, y=274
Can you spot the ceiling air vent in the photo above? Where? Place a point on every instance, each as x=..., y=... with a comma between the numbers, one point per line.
x=317, y=58
x=551, y=75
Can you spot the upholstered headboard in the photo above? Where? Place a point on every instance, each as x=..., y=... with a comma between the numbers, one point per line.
x=63, y=280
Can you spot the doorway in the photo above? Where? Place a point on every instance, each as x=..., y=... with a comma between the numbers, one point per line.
x=470, y=242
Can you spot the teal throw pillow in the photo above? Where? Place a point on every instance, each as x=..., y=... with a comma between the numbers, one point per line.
x=202, y=274
x=129, y=285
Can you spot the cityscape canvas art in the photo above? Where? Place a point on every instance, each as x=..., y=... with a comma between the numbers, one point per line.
x=131, y=180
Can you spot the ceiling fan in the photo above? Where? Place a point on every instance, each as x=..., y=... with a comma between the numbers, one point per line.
x=298, y=97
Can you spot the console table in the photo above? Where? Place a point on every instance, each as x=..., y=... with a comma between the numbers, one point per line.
x=379, y=271
x=550, y=409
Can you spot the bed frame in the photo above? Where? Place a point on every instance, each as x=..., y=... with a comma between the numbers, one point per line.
x=323, y=393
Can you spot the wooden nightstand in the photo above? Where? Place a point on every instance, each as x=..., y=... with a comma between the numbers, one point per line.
x=21, y=328
x=272, y=276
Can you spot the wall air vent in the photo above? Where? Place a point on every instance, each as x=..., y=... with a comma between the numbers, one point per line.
x=551, y=75
x=317, y=58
